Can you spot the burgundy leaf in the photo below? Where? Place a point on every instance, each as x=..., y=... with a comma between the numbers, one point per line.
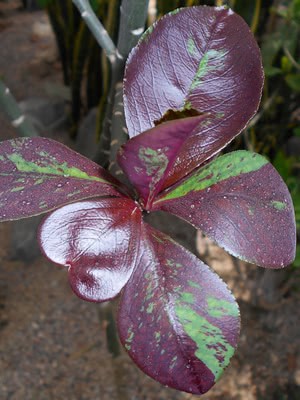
x=196, y=59
x=177, y=319
x=97, y=240
x=147, y=158
x=240, y=201
x=38, y=175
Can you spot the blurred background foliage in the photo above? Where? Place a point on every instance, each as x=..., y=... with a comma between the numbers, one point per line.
x=273, y=132
x=85, y=68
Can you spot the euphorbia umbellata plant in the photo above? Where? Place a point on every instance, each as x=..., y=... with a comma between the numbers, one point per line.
x=191, y=85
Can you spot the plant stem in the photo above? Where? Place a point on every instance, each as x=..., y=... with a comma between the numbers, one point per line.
x=12, y=109
x=97, y=29
x=106, y=314
x=265, y=107
x=291, y=58
x=118, y=132
x=57, y=24
x=132, y=25
x=256, y=14
x=112, y=25
x=81, y=46
x=132, y=22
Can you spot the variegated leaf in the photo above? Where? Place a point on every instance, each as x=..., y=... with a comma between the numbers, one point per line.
x=147, y=158
x=194, y=60
x=39, y=174
x=177, y=319
x=240, y=201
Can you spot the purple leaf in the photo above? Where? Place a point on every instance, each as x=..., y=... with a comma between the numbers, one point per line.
x=177, y=319
x=196, y=59
x=38, y=175
x=240, y=201
x=97, y=240
x=147, y=158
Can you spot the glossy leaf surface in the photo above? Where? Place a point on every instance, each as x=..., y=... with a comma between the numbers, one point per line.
x=146, y=159
x=203, y=59
x=240, y=201
x=177, y=319
x=98, y=241
x=38, y=175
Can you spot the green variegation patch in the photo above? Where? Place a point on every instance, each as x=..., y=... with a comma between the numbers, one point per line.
x=38, y=175
x=191, y=46
x=219, y=308
x=212, y=60
x=212, y=347
x=224, y=167
x=49, y=168
x=278, y=205
x=155, y=161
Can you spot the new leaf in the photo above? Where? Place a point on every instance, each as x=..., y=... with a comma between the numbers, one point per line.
x=146, y=159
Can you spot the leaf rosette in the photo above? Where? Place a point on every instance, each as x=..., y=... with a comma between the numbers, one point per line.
x=190, y=87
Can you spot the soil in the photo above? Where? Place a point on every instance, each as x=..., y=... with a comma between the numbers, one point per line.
x=53, y=345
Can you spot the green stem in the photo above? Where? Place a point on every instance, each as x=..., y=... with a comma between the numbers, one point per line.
x=97, y=29
x=80, y=51
x=265, y=107
x=12, y=109
x=95, y=75
x=291, y=58
x=111, y=24
x=70, y=32
x=107, y=319
x=58, y=28
x=256, y=14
